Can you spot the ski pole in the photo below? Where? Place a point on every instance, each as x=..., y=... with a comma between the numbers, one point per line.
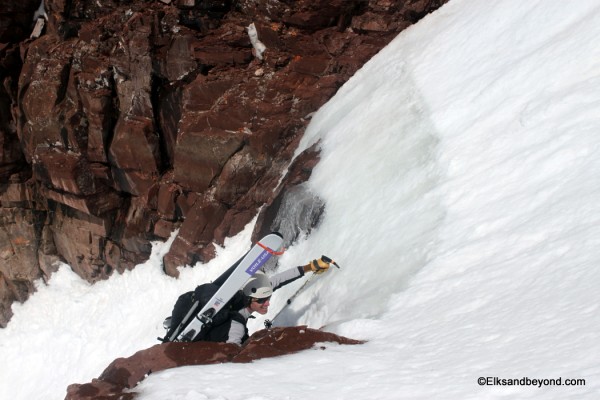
x=269, y=322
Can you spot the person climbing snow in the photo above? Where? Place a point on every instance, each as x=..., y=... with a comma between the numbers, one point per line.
x=230, y=324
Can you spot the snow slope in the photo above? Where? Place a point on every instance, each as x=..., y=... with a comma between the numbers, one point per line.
x=461, y=175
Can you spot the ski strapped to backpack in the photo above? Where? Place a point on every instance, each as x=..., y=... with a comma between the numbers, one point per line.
x=228, y=284
x=269, y=322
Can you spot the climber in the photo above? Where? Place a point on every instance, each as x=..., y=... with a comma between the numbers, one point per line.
x=229, y=324
x=255, y=297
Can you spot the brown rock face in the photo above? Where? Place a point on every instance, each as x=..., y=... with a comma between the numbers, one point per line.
x=126, y=373
x=127, y=119
x=281, y=341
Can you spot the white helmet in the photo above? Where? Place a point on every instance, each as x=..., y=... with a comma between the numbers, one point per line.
x=259, y=286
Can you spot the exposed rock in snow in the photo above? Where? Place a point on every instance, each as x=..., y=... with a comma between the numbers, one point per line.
x=125, y=373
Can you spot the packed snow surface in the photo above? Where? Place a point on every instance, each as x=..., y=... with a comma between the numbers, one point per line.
x=461, y=174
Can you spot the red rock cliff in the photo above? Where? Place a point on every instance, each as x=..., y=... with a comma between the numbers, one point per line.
x=123, y=121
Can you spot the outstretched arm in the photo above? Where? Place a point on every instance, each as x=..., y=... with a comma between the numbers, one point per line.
x=285, y=277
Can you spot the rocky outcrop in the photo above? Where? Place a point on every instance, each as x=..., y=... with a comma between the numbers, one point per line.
x=126, y=120
x=125, y=373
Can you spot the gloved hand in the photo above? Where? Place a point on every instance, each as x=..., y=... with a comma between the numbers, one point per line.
x=317, y=266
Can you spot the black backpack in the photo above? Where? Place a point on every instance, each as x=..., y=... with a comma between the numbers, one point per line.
x=202, y=294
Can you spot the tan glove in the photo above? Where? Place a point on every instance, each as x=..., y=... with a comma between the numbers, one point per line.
x=317, y=266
